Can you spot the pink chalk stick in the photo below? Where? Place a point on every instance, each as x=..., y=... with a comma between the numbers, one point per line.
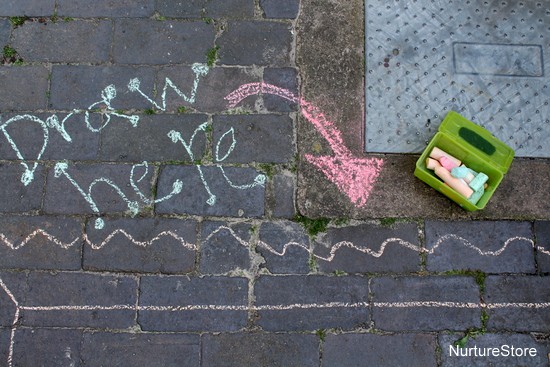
x=447, y=163
x=438, y=153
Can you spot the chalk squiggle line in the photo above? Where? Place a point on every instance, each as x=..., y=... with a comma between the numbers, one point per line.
x=334, y=248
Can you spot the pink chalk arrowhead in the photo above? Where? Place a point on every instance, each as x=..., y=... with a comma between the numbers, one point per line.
x=352, y=175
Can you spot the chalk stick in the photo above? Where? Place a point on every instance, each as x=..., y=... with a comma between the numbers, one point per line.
x=476, y=196
x=455, y=183
x=438, y=153
x=448, y=163
x=432, y=163
x=479, y=182
x=464, y=173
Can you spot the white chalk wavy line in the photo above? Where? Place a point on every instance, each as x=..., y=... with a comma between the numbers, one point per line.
x=334, y=249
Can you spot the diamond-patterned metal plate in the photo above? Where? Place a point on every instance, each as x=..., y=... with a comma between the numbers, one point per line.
x=487, y=60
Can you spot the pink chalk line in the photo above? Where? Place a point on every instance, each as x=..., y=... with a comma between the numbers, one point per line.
x=352, y=175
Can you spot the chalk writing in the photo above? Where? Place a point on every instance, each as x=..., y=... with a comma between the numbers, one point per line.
x=104, y=105
x=352, y=175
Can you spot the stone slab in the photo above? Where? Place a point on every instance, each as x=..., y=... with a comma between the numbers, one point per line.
x=280, y=258
x=286, y=78
x=390, y=292
x=142, y=245
x=489, y=246
x=379, y=350
x=224, y=247
x=24, y=88
x=229, y=201
x=50, y=347
x=281, y=199
x=323, y=302
x=104, y=348
x=508, y=293
x=78, y=290
x=206, y=8
x=265, y=349
x=542, y=236
x=253, y=138
x=13, y=290
x=15, y=196
x=149, y=140
x=29, y=134
x=280, y=9
x=178, y=292
x=81, y=87
x=40, y=242
x=161, y=42
x=73, y=191
x=5, y=31
x=255, y=43
x=105, y=8
x=31, y=8
x=68, y=42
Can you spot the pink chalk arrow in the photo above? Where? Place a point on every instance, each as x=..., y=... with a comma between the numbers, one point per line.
x=352, y=175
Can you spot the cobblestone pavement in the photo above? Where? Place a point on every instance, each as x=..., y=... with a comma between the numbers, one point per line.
x=153, y=160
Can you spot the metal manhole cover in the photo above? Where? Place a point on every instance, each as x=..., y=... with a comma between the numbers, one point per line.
x=487, y=60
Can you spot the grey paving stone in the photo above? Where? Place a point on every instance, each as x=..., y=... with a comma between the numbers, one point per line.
x=14, y=284
x=29, y=249
x=5, y=336
x=161, y=42
x=260, y=349
x=542, y=235
x=468, y=356
x=29, y=8
x=221, y=247
x=63, y=197
x=253, y=138
x=149, y=140
x=16, y=197
x=78, y=290
x=390, y=293
x=255, y=43
x=311, y=302
x=206, y=8
x=274, y=237
x=81, y=86
x=74, y=41
x=143, y=349
x=379, y=239
x=379, y=350
x=282, y=197
x=229, y=201
x=50, y=347
x=24, y=88
x=218, y=83
x=5, y=31
x=163, y=245
x=105, y=8
x=30, y=136
x=179, y=292
x=286, y=78
x=506, y=292
x=280, y=8
x=453, y=246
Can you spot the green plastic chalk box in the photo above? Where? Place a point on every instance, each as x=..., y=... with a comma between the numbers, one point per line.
x=476, y=147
